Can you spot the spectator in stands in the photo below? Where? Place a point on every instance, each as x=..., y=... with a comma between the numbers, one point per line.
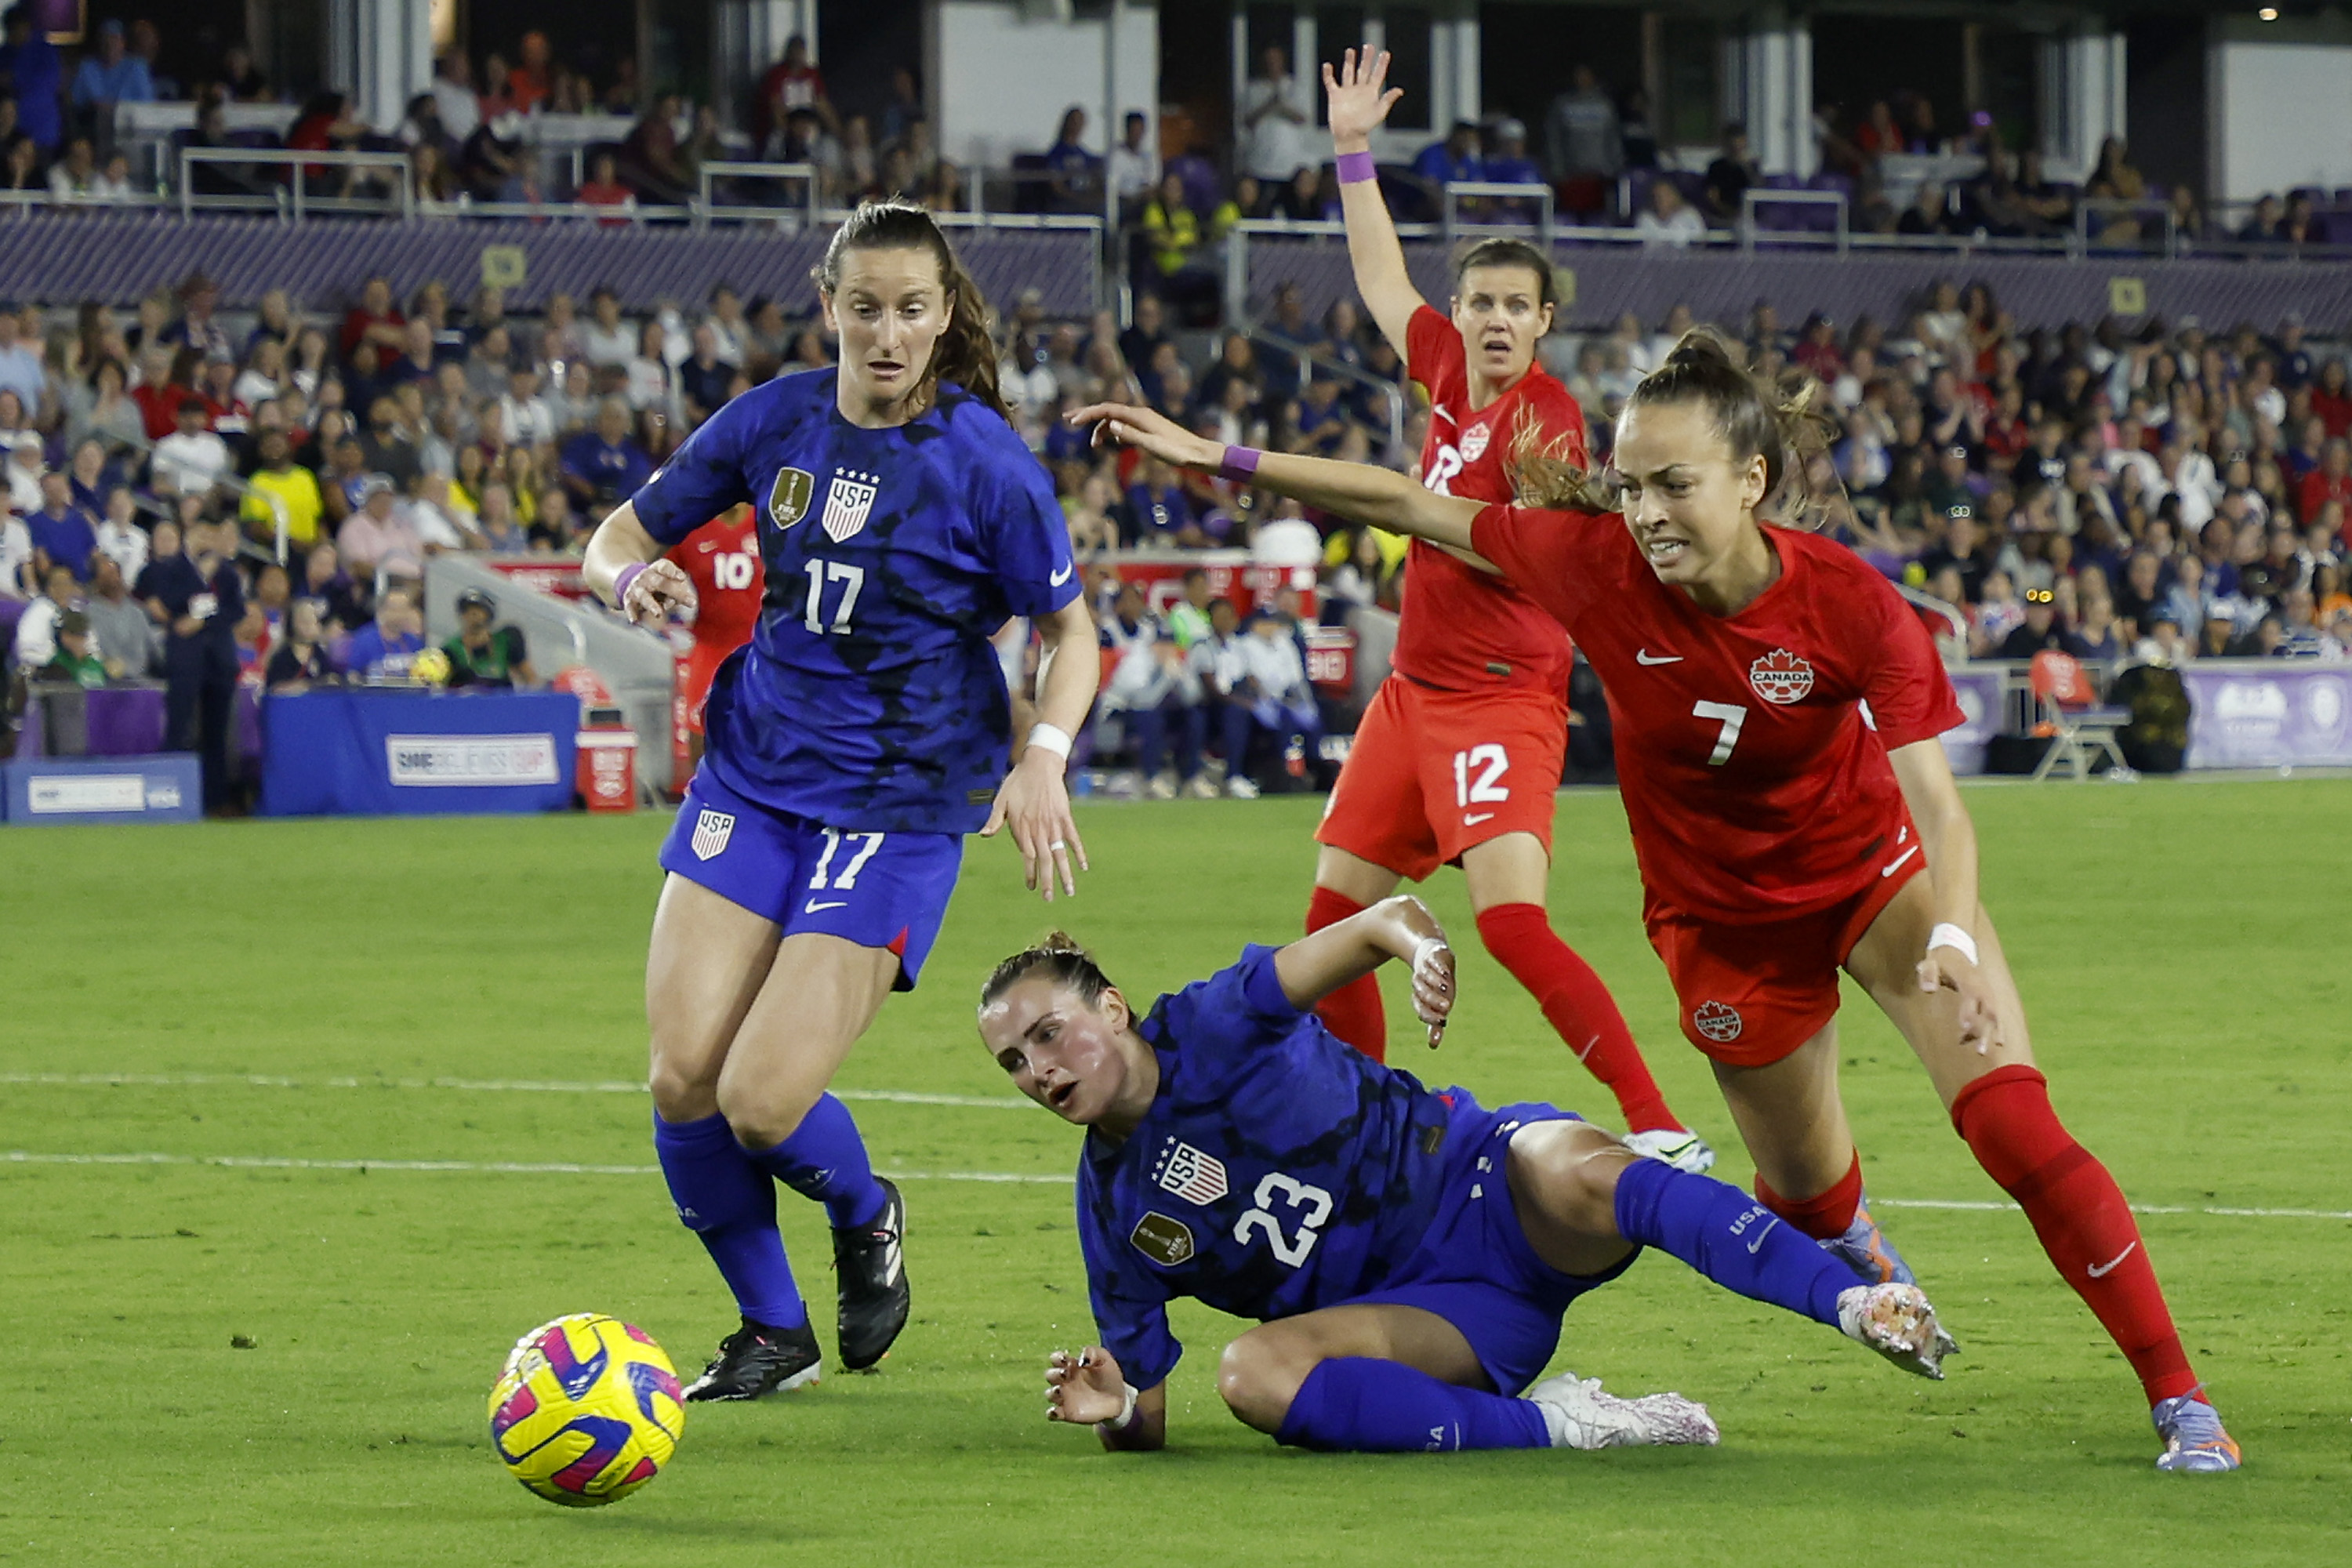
x=37, y=628
x=1928, y=213
x=20, y=165
x=76, y=660
x=606, y=338
x=454, y=99
x=384, y=651
x=492, y=163
x=36, y=74
x=73, y=178
x=793, y=83
x=1161, y=513
x=1455, y=160
x=1175, y=235
x=193, y=458
x=2331, y=481
x=128, y=638
x=485, y=654
x=1731, y=175
x=1149, y=685
x=1582, y=139
x=120, y=538
x=605, y=466
x=327, y=584
x=1134, y=168
x=531, y=81
x=293, y=488
x=1272, y=697
x=602, y=188
x=108, y=76
x=1072, y=172
x=1274, y=119
x=2039, y=630
x=20, y=364
x=63, y=533
x=2116, y=180
x=299, y=661
x=1668, y=223
x=380, y=538
x=650, y=163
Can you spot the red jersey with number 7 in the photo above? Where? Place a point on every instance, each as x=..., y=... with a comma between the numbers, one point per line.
x=1754, y=784
x=1463, y=629
x=722, y=559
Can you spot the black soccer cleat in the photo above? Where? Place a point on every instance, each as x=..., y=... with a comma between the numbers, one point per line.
x=758, y=1359
x=872, y=1274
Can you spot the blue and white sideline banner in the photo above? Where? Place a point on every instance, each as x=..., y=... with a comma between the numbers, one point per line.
x=384, y=753
x=164, y=788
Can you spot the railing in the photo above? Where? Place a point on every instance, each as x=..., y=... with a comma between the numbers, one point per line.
x=2084, y=239
x=293, y=194
x=1509, y=197
x=706, y=208
x=1841, y=236
x=1391, y=394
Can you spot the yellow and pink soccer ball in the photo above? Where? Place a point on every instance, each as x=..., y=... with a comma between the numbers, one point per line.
x=587, y=1410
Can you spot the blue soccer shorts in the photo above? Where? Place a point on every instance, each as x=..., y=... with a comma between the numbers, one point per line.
x=877, y=889
x=1474, y=1267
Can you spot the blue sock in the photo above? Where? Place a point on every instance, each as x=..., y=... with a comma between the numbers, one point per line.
x=730, y=1203
x=824, y=1159
x=1358, y=1405
x=1730, y=1237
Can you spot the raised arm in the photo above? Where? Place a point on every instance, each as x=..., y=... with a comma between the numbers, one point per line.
x=1360, y=101
x=1399, y=927
x=1381, y=497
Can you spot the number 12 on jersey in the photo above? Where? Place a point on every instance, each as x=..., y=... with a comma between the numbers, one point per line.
x=820, y=573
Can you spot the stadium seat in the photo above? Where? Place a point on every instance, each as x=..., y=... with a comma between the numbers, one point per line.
x=2067, y=709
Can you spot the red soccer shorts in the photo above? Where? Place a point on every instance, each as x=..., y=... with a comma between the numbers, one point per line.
x=1433, y=772
x=1749, y=995
x=701, y=667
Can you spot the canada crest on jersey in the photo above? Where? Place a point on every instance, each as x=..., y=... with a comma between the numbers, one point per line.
x=1780, y=677
x=1474, y=441
x=789, y=497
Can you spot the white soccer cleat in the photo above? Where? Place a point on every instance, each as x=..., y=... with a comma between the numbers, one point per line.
x=1896, y=1321
x=1675, y=1146
x=1241, y=788
x=1579, y=1415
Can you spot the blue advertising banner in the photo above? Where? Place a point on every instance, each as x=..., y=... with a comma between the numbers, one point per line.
x=383, y=753
x=2254, y=713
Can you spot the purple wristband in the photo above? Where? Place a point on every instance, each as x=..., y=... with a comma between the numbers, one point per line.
x=1355, y=168
x=1239, y=463
x=621, y=582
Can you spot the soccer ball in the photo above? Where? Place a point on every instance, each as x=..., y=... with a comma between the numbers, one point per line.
x=429, y=668
x=587, y=1410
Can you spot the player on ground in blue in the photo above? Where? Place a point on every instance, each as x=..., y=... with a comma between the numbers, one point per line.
x=864, y=731
x=1408, y=1254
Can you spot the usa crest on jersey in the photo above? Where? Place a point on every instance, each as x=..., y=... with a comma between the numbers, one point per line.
x=847, y=502
x=1192, y=1174
x=711, y=831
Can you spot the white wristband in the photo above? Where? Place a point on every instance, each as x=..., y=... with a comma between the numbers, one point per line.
x=1050, y=738
x=1126, y=1417
x=1953, y=937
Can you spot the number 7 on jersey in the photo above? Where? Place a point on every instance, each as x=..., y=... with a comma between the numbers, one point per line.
x=1731, y=716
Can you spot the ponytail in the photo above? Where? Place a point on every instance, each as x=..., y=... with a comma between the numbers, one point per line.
x=965, y=352
x=1781, y=419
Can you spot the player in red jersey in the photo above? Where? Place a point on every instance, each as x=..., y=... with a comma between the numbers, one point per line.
x=721, y=558
x=1460, y=753
x=1775, y=710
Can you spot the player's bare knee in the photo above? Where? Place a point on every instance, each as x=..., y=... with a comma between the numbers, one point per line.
x=1571, y=1169
x=763, y=1115
x=1257, y=1377
x=682, y=1091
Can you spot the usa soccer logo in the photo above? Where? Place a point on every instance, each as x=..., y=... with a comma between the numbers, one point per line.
x=1780, y=677
x=711, y=831
x=847, y=502
x=1716, y=1021
x=1195, y=1177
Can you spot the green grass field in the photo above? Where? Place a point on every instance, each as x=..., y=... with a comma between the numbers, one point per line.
x=228, y=1001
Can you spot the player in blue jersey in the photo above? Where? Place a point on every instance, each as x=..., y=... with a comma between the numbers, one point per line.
x=1409, y=1254
x=864, y=731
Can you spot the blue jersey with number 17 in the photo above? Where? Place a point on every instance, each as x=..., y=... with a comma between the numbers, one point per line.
x=1277, y=1171
x=869, y=698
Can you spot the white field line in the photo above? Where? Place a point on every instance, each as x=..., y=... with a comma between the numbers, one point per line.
x=497, y=1167
x=491, y=1086
x=565, y=1168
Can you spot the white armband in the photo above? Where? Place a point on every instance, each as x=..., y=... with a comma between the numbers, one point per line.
x=1050, y=738
x=1951, y=936
x=1126, y=1417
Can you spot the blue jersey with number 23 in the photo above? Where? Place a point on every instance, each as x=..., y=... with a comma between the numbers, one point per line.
x=871, y=698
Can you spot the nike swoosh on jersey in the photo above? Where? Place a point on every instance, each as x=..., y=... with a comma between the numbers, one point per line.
x=814, y=908
x=1473, y=819
x=1896, y=864
x=2100, y=1271
x=1059, y=578
x=1760, y=1236
x=1641, y=655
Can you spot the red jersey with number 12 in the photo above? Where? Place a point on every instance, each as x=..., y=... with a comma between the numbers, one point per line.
x=1463, y=629
x=722, y=558
x=1754, y=786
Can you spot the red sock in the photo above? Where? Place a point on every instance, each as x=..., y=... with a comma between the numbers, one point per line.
x=1353, y=1011
x=2079, y=1212
x=1824, y=1217
x=1579, y=1006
